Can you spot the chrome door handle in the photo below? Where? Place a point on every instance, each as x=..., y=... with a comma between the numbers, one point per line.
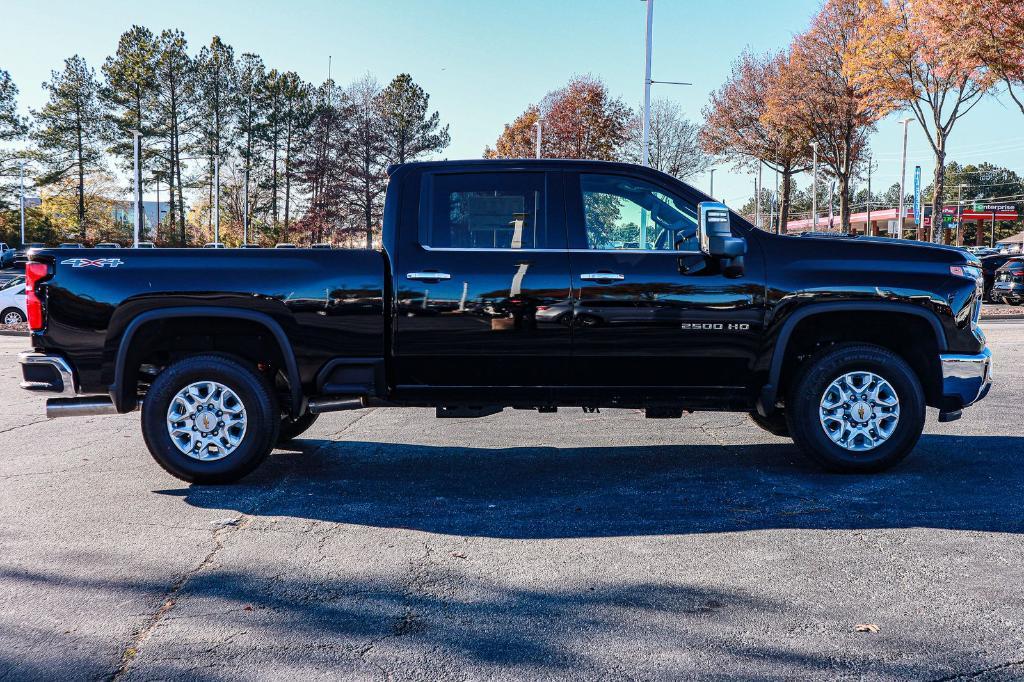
x=602, y=277
x=428, y=276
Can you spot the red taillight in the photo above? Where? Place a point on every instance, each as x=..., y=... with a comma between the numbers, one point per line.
x=34, y=272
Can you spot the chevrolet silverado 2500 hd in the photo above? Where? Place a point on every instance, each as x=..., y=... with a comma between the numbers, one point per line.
x=538, y=284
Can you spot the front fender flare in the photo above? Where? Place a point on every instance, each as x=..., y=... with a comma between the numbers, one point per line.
x=769, y=392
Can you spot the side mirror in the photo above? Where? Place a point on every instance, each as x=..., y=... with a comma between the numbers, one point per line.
x=715, y=234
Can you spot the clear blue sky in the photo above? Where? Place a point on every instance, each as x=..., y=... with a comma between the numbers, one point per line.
x=483, y=61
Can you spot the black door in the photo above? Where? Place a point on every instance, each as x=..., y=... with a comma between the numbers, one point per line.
x=483, y=292
x=649, y=310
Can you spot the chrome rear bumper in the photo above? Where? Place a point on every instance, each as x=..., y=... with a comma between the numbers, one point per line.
x=966, y=378
x=46, y=372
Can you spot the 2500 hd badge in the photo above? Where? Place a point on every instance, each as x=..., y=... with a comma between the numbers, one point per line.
x=715, y=326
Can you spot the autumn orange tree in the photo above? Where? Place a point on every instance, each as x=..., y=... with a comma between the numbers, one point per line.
x=738, y=129
x=922, y=56
x=816, y=95
x=581, y=121
x=998, y=30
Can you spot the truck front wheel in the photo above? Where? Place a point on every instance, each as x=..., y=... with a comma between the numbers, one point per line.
x=210, y=419
x=856, y=408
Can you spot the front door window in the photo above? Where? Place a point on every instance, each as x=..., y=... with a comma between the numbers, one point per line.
x=623, y=213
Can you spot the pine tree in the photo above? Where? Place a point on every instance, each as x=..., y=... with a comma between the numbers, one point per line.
x=130, y=81
x=216, y=89
x=13, y=127
x=70, y=129
x=365, y=177
x=251, y=121
x=173, y=118
x=408, y=129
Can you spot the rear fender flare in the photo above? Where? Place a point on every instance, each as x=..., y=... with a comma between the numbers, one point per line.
x=122, y=397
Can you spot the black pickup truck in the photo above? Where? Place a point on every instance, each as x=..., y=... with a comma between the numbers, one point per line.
x=531, y=284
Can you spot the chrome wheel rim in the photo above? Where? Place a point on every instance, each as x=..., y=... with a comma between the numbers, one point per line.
x=859, y=411
x=13, y=318
x=206, y=421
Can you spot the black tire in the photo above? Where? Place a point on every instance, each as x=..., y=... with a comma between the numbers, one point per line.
x=12, y=312
x=775, y=424
x=808, y=388
x=295, y=427
x=254, y=392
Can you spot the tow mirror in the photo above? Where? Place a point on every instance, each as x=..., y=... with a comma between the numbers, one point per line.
x=716, y=240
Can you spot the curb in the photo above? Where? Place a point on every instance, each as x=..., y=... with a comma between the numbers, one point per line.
x=12, y=332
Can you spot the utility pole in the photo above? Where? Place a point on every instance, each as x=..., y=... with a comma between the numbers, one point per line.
x=646, y=87
x=21, y=197
x=137, y=149
x=216, y=198
x=711, y=190
x=539, y=124
x=869, y=229
x=903, y=177
x=760, y=184
x=814, y=186
x=774, y=201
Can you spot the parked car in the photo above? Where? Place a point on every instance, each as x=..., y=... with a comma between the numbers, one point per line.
x=250, y=246
x=230, y=356
x=69, y=245
x=6, y=255
x=213, y=245
x=1009, y=282
x=108, y=245
x=12, y=301
x=21, y=255
x=322, y=246
x=989, y=265
x=285, y=246
x=145, y=245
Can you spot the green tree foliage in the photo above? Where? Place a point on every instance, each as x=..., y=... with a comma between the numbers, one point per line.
x=410, y=130
x=216, y=84
x=13, y=127
x=173, y=120
x=70, y=129
x=127, y=93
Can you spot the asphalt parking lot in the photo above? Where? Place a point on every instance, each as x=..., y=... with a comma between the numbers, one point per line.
x=388, y=544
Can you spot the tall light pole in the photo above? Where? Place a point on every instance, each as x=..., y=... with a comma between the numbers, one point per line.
x=21, y=197
x=774, y=200
x=539, y=125
x=647, y=86
x=814, y=186
x=137, y=178
x=711, y=190
x=216, y=198
x=758, y=186
x=903, y=177
x=868, y=230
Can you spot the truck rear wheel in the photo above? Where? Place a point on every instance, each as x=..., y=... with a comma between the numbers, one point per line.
x=293, y=427
x=856, y=408
x=210, y=419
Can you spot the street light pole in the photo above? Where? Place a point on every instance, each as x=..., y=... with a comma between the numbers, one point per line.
x=757, y=199
x=868, y=229
x=814, y=187
x=647, y=86
x=539, y=125
x=216, y=199
x=711, y=190
x=137, y=177
x=21, y=197
x=903, y=177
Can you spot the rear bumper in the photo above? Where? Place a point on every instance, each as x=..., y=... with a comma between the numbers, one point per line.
x=47, y=372
x=966, y=379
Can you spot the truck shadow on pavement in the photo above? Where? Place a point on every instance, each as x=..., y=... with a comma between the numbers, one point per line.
x=950, y=482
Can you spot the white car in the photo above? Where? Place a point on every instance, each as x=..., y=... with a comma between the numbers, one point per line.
x=12, y=302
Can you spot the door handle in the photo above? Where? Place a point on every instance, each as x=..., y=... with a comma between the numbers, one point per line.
x=602, y=277
x=428, y=276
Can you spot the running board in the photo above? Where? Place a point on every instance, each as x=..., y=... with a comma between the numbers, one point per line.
x=319, y=406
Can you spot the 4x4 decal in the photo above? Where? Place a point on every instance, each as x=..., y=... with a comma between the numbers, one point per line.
x=92, y=262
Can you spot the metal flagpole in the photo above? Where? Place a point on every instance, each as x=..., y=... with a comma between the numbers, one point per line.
x=647, y=86
x=21, y=200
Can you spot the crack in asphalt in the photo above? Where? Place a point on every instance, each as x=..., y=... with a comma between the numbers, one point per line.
x=131, y=650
